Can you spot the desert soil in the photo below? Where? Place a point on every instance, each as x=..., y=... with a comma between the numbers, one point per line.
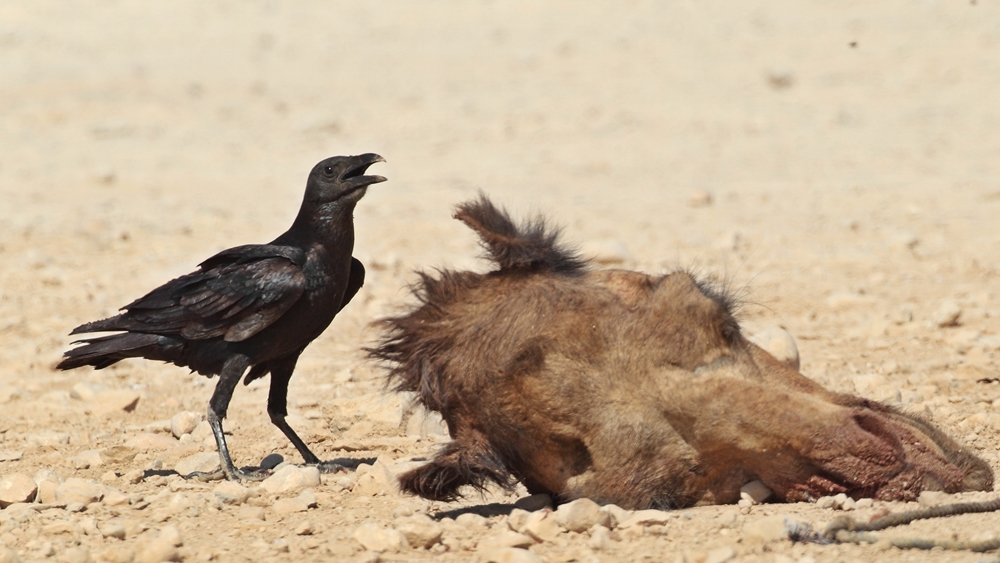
x=838, y=163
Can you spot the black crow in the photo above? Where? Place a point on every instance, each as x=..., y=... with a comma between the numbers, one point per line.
x=255, y=306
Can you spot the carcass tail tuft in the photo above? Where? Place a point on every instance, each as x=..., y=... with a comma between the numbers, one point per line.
x=531, y=245
x=455, y=466
x=106, y=350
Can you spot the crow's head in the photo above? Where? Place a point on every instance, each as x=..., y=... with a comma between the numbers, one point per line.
x=341, y=179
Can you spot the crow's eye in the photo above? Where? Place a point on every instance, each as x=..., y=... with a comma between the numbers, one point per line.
x=328, y=170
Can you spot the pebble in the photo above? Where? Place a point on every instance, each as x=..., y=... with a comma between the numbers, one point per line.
x=646, y=518
x=87, y=459
x=764, y=530
x=532, y=503
x=933, y=498
x=113, y=530
x=581, y=514
x=10, y=455
x=77, y=490
x=720, y=554
x=948, y=314
x=757, y=491
x=15, y=488
x=117, y=554
x=291, y=478
x=542, y=526
x=147, y=441
x=517, y=519
x=700, y=198
x=600, y=538
x=864, y=503
x=511, y=555
x=163, y=547
x=301, y=503
x=420, y=530
x=617, y=514
x=506, y=538
x=305, y=528
x=205, y=462
x=376, y=538
x=231, y=492
x=184, y=422
x=473, y=522
x=379, y=479
x=251, y=513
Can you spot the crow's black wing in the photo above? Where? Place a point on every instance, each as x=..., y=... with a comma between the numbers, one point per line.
x=236, y=294
x=355, y=280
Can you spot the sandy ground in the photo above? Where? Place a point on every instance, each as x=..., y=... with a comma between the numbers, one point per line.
x=838, y=160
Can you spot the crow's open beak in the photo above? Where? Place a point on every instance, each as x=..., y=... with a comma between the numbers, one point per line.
x=354, y=175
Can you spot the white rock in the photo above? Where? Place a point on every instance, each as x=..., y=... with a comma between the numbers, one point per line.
x=647, y=518
x=617, y=514
x=506, y=538
x=79, y=490
x=10, y=455
x=113, y=530
x=933, y=498
x=184, y=422
x=542, y=526
x=202, y=431
x=700, y=198
x=864, y=503
x=305, y=528
x=291, y=478
x=600, y=538
x=15, y=488
x=379, y=479
x=147, y=441
x=780, y=344
x=948, y=314
x=420, y=530
x=825, y=502
x=227, y=490
x=162, y=548
x=757, y=491
x=720, y=554
x=511, y=555
x=582, y=514
x=376, y=538
x=839, y=500
x=472, y=522
x=285, y=506
x=517, y=519
x=764, y=530
x=205, y=462
x=87, y=459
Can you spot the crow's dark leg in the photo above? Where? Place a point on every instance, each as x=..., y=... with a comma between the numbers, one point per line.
x=231, y=373
x=277, y=409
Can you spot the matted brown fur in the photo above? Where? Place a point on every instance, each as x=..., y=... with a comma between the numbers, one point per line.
x=633, y=389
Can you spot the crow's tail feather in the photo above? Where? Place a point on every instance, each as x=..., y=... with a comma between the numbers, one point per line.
x=103, y=351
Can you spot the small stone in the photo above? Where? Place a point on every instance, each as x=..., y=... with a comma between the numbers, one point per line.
x=646, y=518
x=87, y=459
x=542, y=526
x=271, y=461
x=376, y=538
x=15, y=488
x=287, y=506
x=472, y=522
x=75, y=555
x=506, y=538
x=777, y=342
x=79, y=490
x=8, y=555
x=933, y=498
x=839, y=500
x=511, y=555
x=948, y=314
x=184, y=422
x=304, y=529
x=232, y=490
x=251, y=513
x=534, y=502
x=204, y=462
x=600, y=538
x=825, y=502
x=114, y=497
x=10, y=455
x=134, y=476
x=617, y=514
x=700, y=198
x=75, y=507
x=764, y=530
x=163, y=547
x=757, y=491
x=420, y=530
x=581, y=514
x=202, y=432
x=720, y=554
x=113, y=530
x=147, y=441
x=848, y=504
x=86, y=391
x=379, y=479
x=517, y=519
x=864, y=503
x=291, y=478
x=117, y=554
